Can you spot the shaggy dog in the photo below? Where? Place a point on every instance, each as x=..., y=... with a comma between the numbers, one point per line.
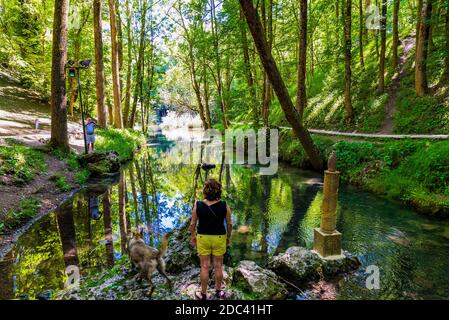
x=147, y=259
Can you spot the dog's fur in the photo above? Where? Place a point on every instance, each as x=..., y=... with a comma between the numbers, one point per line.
x=147, y=259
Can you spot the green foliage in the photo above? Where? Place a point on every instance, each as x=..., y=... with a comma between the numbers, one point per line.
x=82, y=176
x=21, y=162
x=72, y=162
x=420, y=114
x=291, y=150
x=25, y=41
x=124, y=142
x=60, y=182
x=28, y=209
x=413, y=171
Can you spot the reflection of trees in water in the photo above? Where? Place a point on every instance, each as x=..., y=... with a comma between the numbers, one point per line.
x=107, y=219
x=143, y=188
x=302, y=197
x=6, y=278
x=123, y=224
x=67, y=233
x=134, y=194
x=266, y=195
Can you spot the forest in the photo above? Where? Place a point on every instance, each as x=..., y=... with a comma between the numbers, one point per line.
x=365, y=81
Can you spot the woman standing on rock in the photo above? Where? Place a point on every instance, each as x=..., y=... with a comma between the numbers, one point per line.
x=210, y=235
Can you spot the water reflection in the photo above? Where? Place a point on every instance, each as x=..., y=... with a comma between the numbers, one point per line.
x=270, y=213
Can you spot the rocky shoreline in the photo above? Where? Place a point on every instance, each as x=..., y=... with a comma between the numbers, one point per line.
x=284, y=277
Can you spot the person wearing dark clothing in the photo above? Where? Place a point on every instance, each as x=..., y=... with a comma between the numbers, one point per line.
x=211, y=229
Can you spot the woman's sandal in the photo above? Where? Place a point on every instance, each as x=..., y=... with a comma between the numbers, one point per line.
x=220, y=294
x=200, y=296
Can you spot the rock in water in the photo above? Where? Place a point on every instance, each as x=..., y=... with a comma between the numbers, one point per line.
x=297, y=265
x=334, y=267
x=262, y=283
x=300, y=266
x=101, y=164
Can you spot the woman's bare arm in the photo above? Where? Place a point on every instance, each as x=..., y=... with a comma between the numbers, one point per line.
x=193, y=223
x=228, y=224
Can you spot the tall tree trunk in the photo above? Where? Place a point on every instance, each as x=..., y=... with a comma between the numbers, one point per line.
x=248, y=73
x=120, y=43
x=99, y=66
x=421, y=85
x=59, y=137
x=206, y=96
x=118, y=119
x=129, y=67
x=337, y=28
x=73, y=85
x=275, y=78
x=267, y=27
x=418, y=19
x=214, y=31
x=383, y=45
x=140, y=66
x=446, y=35
x=361, y=28
x=301, y=98
x=347, y=49
x=395, y=33
x=110, y=109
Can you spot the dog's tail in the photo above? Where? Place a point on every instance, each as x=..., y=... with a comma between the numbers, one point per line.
x=164, y=245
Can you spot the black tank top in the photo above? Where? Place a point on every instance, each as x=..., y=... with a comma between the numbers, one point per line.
x=211, y=220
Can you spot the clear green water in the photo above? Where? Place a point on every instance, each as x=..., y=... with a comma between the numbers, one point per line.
x=279, y=211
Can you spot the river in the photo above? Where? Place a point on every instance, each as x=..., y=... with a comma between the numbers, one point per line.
x=270, y=213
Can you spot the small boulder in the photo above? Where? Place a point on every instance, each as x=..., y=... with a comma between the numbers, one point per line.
x=333, y=267
x=180, y=253
x=101, y=164
x=262, y=283
x=300, y=266
x=297, y=265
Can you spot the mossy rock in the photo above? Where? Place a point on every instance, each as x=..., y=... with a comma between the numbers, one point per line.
x=260, y=283
x=297, y=265
x=101, y=164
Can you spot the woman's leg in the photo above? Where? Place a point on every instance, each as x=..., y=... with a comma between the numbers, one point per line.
x=218, y=268
x=204, y=275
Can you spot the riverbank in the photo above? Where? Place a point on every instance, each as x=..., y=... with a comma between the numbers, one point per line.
x=413, y=172
x=36, y=180
x=285, y=276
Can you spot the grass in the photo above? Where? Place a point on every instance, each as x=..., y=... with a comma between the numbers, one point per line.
x=416, y=172
x=60, y=182
x=28, y=209
x=21, y=163
x=124, y=142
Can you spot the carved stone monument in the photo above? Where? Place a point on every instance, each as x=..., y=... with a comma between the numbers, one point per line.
x=327, y=240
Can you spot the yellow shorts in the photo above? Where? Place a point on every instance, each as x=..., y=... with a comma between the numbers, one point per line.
x=211, y=244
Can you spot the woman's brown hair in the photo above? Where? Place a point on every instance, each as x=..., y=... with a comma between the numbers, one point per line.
x=212, y=190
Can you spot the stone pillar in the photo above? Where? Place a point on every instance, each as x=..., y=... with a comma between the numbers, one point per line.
x=327, y=240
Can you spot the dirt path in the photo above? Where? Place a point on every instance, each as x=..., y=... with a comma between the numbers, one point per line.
x=390, y=106
x=19, y=109
x=41, y=187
